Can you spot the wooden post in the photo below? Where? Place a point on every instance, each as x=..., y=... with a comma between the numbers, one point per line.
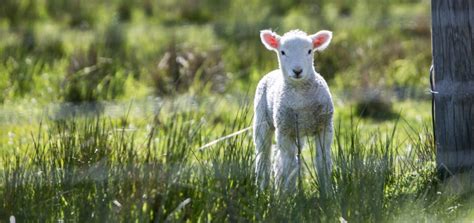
x=453, y=61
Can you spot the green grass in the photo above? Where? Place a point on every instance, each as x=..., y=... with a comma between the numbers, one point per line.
x=116, y=169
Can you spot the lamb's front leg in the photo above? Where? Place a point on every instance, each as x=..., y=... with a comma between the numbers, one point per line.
x=285, y=165
x=323, y=141
x=263, y=143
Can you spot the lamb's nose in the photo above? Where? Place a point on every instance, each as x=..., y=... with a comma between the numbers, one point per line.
x=297, y=71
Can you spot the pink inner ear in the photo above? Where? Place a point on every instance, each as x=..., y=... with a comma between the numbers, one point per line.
x=271, y=40
x=318, y=41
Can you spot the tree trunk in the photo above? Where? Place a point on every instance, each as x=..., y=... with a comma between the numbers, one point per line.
x=453, y=61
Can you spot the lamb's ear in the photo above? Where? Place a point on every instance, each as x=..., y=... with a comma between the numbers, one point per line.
x=270, y=39
x=321, y=40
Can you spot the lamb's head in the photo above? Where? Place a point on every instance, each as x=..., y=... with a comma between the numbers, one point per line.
x=295, y=50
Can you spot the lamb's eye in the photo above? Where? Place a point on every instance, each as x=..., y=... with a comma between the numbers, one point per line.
x=309, y=51
x=282, y=52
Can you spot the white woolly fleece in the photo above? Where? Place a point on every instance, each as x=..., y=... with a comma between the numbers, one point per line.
x=292, y=101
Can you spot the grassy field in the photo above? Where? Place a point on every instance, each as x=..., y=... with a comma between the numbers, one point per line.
x=129, y=167
x=106, y=106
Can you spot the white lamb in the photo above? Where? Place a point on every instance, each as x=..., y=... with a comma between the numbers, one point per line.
x=294, y=96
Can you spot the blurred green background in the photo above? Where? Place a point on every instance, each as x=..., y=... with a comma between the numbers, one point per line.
x=77, y=50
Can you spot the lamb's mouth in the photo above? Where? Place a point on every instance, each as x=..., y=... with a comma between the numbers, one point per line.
x=297, y=77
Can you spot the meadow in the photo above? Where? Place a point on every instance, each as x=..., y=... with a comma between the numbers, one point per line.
x=107, y=109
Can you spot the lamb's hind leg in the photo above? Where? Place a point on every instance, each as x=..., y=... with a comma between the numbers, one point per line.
x=323, y=141
x=263, y=143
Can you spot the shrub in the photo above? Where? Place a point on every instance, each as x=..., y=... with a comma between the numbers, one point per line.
x=51, y=49
x=115, y=41
x=20, y=12
x=31, y=44
x=181, y=69
x=4, y=84
x=124, y=10
x=374, y=105
x=91, y=77
x=77, y=13
x=18, y=76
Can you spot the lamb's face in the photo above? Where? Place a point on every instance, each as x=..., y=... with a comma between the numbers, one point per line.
x=295, y=56
x=295, y=50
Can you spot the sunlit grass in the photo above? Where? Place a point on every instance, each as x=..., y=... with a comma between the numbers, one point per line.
x=150, y=168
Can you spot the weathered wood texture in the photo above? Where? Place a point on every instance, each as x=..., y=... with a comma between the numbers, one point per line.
x=453, y=60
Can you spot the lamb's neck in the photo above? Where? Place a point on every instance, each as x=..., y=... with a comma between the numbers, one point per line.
x=309, y=82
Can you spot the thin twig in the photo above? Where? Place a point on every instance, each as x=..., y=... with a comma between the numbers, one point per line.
x=224, y=138
x=298, y=155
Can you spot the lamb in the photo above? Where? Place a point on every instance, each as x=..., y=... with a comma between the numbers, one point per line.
x=292, y=102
